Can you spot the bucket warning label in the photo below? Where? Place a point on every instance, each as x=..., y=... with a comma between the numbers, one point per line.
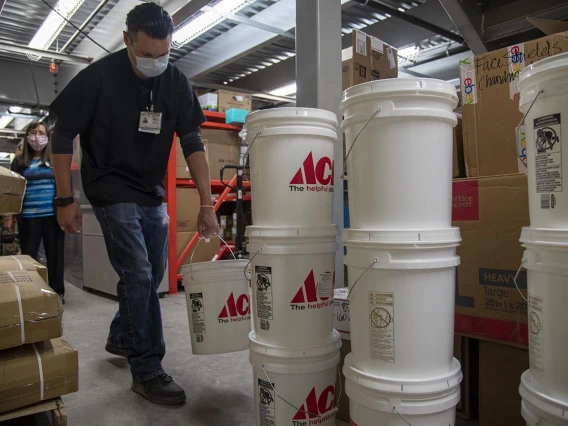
x=325, y=286
x=267, y=403
x=381, y=326
x=197, y=316
x=548, y=158
x=536, y=341
x=264, y=299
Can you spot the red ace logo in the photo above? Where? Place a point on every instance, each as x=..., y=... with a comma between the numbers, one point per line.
x=314, y=177
x=314, y=296
x=316, y=407
x=235, y=311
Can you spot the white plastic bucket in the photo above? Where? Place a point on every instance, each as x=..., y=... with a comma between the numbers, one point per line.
x=291, y=153
x=403, y=285
x=400, y=167
x=378, y=400
x=293, y=277
x=546, y=261
x=218, y=306
x=295, y=386
x=546, y=125
x=539, y=409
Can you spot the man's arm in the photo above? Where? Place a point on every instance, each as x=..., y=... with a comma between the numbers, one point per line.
x=69, y=217
x=194, y=153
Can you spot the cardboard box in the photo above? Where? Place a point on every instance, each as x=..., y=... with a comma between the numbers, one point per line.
x=490, y=104
x=21, y=373
x=12, y=189
x=223, y=149
x=229, y=100
x=490, y=213
x=368, y=59
x=204, y=251
x=188, y=204
x=500, y=369
x=343, y=407
x=24, y=295
x=27, y=263
x=182, y=171
x=459, y=160
x=466, y=351
x=209, y=101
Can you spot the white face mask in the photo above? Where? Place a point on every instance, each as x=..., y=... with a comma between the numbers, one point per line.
x=152, y=67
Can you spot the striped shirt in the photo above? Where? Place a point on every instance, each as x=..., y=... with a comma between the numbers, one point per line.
x=40, y=191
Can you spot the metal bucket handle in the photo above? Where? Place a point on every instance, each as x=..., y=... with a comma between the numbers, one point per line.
x=195, y=249
x=344, y=175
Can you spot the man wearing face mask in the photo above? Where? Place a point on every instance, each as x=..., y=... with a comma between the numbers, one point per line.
x=126, y=108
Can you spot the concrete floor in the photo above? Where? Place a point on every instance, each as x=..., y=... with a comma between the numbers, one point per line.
x=219, y=388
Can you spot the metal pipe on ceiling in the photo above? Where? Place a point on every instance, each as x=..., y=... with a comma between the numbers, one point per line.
x=383, y=8
x=20, y=48
x=84, y=25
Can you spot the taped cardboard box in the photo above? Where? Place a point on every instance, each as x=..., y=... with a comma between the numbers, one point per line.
x=188, y=204
x=490, y=104
x=223, y=149
x=500, y=369
x=12, y=189
x=22, y=261
x=30, y=311
x=368, y=59
x=204, y=251
x=490, y=213
x=229, y=100
x=33, y=373
x=466, y=351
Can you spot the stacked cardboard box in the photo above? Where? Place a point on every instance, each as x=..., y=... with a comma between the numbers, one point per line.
x=224, y=100
x=12, y=189
x=368, y=59
x=223, y=149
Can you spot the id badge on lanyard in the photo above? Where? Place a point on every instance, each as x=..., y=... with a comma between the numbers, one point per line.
x=150, y=121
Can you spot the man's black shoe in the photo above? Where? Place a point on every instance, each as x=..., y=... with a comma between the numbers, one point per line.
x=117, y=349
x=160, y=390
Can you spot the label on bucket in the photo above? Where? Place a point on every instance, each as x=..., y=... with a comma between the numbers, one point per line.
x=536, y=341
x=267, y=403
x=352, y=423
x=236, y=309
x=313, y=176
x=264, y=299
x=381, y=327
x=317, y=407
x=197, y=315
x=312, y=294
x=548, y=159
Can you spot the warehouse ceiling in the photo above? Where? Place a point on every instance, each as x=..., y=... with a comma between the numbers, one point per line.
x=253, y=49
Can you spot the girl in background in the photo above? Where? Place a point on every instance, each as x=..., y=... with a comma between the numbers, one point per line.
x=39, y=217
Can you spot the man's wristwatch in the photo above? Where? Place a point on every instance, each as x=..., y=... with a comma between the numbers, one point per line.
x=64, y=202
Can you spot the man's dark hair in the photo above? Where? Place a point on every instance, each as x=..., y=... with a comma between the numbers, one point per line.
x=151, y=19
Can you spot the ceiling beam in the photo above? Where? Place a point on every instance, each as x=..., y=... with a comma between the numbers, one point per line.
x=468, y=19
x=188, y=10
x=26, y=50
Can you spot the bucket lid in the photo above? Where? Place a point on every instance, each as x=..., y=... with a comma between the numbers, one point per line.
x=403, y=86
x=531, y=394
x=217, y=266
x=544, y=236
x=293, y=112
x=399, y=387
x=544, y=66
x=299, y=352
x=414, y=236
x=291, y=232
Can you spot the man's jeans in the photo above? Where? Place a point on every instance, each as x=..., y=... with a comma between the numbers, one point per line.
x=136, y=238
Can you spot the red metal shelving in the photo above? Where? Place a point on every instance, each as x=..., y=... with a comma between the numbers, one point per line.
x=216, y=120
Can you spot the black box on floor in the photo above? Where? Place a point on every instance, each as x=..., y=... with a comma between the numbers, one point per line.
x=466, y=351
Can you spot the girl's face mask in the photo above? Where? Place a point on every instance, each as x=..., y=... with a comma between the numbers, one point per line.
x=37, y=142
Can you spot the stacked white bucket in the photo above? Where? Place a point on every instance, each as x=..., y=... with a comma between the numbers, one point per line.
x=401, y=253
x=294, y=350
x=544, y=101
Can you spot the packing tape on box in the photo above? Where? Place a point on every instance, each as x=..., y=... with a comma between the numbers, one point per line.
x=19, y=263
x=40, y=367
x=19, y=298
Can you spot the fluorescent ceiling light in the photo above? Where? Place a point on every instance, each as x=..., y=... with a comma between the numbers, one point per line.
x=287, y=90
x=207, y=20
x=5, y=120
x=408, y=53
x=53, y=25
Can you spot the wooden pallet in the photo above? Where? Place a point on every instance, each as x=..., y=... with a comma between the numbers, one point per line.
x=54, y=406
